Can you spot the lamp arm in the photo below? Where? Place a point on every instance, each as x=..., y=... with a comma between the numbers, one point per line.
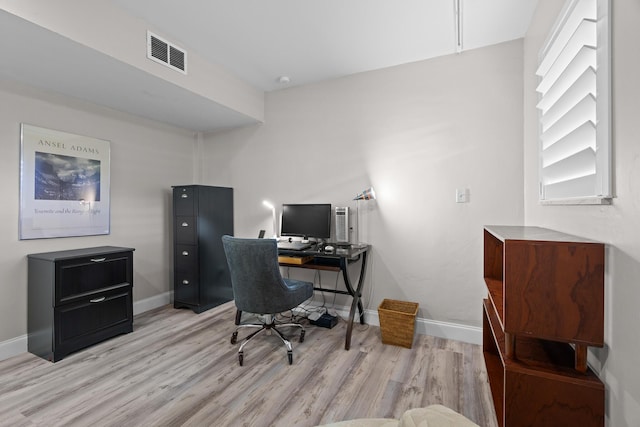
x=275, y=223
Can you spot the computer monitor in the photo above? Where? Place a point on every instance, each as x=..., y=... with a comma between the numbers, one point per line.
x=306, y=220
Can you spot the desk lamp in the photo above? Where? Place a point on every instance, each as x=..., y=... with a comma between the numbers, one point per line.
x=273, y=214
x=368, y=194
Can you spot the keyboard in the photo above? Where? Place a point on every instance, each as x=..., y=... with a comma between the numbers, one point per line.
x=294, y=246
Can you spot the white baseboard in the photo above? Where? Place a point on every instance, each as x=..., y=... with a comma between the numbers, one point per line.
x=451, y=331
x=18, y=345
x=151, y=303
x=13, y=347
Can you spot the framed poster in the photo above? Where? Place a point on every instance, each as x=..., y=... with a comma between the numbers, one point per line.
x=64, y=184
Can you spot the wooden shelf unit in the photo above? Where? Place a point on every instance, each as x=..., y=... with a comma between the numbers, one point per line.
x=545, y=299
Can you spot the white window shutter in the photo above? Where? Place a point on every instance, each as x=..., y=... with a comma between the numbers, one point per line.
x=574, y=106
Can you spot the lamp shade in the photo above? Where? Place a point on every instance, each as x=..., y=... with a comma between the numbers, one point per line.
x=368, y=194
x=269, y=205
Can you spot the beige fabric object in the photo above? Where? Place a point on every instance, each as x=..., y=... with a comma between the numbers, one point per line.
x=434, y=416
x=365, y=422
x=431, y=416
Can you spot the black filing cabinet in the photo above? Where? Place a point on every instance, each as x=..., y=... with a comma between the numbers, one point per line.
x=77, y=298
x=201, y=216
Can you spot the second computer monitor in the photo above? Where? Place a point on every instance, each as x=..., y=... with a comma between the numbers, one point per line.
x=306, y=220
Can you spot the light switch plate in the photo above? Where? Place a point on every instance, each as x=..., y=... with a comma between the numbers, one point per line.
x=462, y=195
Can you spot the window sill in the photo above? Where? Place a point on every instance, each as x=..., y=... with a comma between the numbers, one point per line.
x=596, y=200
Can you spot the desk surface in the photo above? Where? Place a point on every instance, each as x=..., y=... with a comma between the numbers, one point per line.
x=317, y=250
x=337, y=260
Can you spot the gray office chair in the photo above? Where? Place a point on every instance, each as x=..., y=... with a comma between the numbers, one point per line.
x=259, y=288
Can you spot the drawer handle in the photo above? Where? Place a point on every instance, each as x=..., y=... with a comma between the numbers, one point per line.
x=184, y=224
x=98, y=299
x=185, y=253
x=97, y=259
x=184, y=196
x=185, y=282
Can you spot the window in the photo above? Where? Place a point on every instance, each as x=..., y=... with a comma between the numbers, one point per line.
x=574, y=88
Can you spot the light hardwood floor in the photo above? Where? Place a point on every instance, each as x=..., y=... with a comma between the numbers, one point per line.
x=179, y=368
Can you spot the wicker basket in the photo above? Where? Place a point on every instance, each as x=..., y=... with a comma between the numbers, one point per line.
x=397, y=322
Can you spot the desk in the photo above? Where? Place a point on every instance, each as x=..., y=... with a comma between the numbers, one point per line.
x=337, y=260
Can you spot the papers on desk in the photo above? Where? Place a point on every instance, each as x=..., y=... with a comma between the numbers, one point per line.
x=295, y=246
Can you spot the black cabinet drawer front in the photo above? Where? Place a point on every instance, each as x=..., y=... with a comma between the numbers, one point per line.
x=184, y=201
x=185, y=228
x=79, y=322
x=186, y=262
x=187, y=292
x=85, y=275
x=186, y=256
x=186, y=278
x=186, y=286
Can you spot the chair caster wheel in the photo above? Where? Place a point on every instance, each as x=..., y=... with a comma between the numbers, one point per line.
x=240, y=358
x=234, y=338
x=290, y=355
x=302, y=336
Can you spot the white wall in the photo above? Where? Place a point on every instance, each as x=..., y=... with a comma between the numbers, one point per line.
x=415, y=132
x=146, y=159
x=617, y=225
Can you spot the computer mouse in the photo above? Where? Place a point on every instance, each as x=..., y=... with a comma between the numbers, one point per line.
x=329, y=248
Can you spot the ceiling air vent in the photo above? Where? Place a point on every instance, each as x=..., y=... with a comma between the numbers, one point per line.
x=163, y=52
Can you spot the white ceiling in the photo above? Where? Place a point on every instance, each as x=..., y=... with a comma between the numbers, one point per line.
x=314, y=40
x=258, y=41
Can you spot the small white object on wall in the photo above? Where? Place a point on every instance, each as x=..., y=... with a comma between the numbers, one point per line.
x=462, y=195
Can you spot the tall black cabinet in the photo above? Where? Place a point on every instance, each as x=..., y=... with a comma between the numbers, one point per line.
x=201, y=216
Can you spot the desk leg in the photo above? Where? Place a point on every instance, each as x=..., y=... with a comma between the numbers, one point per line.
x=356, y=295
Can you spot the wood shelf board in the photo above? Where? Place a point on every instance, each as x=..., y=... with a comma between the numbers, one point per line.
x=547, y=358
x=511, y=232
x=535, y=400
x=495, y=372
x=496, y=295
x=496, y=329
x=493, y=257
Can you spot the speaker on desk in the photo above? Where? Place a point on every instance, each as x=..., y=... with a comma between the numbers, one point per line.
x=342, y=224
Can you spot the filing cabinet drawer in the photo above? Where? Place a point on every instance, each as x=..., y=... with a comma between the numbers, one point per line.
x=184, y=201
x=186, y=261
x=186, y=290
x=83, y=322
x=186, y=274
x=78, y=277
x=186, y=230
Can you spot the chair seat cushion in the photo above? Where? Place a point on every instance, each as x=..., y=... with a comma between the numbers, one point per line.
x=298, y=291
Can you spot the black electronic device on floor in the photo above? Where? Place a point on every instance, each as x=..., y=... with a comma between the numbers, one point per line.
x=325, y=321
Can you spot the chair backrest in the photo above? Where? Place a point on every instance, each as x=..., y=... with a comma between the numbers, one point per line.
x=258, y=286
